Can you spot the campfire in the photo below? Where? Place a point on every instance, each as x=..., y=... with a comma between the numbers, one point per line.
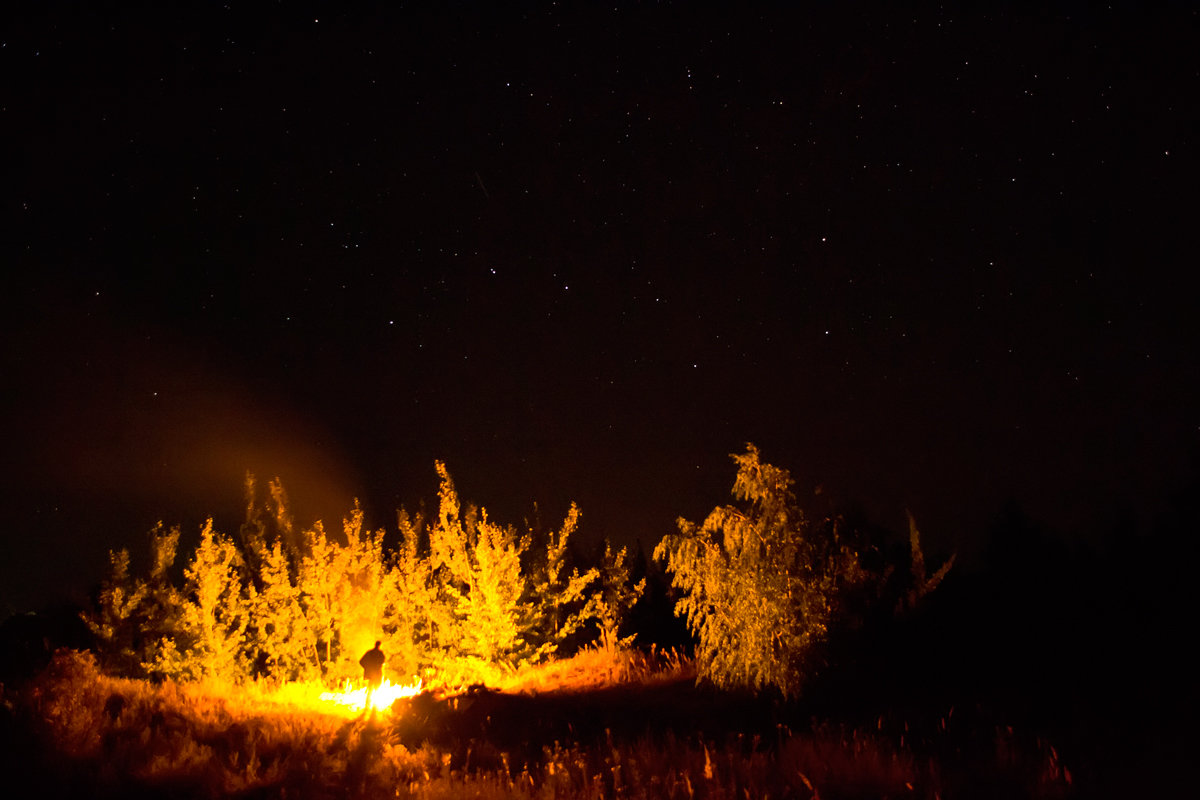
x=381, y=700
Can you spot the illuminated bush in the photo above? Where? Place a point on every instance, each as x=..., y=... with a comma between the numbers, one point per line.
x=132, y=615
x=414, y=618
x=462, y=596
x=215, y=614
x=283, y=635
x=761, y=583
x=614, y=597
x=504, y=602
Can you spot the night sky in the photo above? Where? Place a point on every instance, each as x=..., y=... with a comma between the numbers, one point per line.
x=925, y=260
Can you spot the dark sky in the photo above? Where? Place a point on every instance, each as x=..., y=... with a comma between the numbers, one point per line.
x=923, y=259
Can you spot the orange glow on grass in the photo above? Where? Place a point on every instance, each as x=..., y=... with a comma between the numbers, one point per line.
x=382, y=699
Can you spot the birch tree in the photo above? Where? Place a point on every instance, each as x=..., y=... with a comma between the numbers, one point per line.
x=760, y=583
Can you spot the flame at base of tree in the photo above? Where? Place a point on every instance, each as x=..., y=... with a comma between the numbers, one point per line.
x=381, y=699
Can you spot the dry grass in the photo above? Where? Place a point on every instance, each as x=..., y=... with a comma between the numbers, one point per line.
x=113, y=737
x=600, y=668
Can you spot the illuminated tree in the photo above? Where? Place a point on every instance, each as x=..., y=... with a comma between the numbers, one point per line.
x=761, y=583
x=614, y=598
x=494, y=584
x=412, y=616
x=267, y=521
x=343, y=593
x=216, y=612
x=462, y=594
x=480, y=576
x=115, y=621
x=318, y=584
x=284, y=641
x=556, y=603
x=162, y=604
x=360, y=592
x=133, y=614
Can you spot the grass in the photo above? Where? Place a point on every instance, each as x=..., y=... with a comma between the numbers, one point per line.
x=605, y=726
x=595, y=668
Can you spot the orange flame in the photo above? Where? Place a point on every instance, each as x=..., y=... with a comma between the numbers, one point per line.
x=381, y=700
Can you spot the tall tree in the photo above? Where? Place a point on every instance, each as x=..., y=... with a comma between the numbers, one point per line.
x=286, y=646
x=133, y=614
x=116, y=620
x=361, y=592
x=478, y=565
x=761, y=584
x=216, y=612
x=556, y=603
x=614, y=597
x=319, y=577
x=412, y=616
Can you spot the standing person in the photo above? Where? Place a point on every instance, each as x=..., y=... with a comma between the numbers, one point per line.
x=372, y=664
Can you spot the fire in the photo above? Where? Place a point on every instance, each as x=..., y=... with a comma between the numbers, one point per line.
x=382, y=699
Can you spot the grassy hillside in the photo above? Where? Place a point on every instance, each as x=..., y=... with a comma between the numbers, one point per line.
x=643, y=731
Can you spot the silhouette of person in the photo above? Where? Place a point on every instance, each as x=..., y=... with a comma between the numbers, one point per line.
x=372, y=664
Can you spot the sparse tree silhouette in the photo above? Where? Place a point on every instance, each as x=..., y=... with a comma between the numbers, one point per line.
x=920, y=583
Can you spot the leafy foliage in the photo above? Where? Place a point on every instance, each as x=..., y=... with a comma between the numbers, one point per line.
x=360, y=587
x=761, y=583
x=462, y=597
x=414, y=618
x=131, y=614
x=114, y=621
x=556, y=602
x=616, y=597
x=480, y=566
x=510, y=604
x=215, y=614
x=285, y=644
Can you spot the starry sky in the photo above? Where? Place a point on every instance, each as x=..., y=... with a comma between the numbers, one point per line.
x=925, y=259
